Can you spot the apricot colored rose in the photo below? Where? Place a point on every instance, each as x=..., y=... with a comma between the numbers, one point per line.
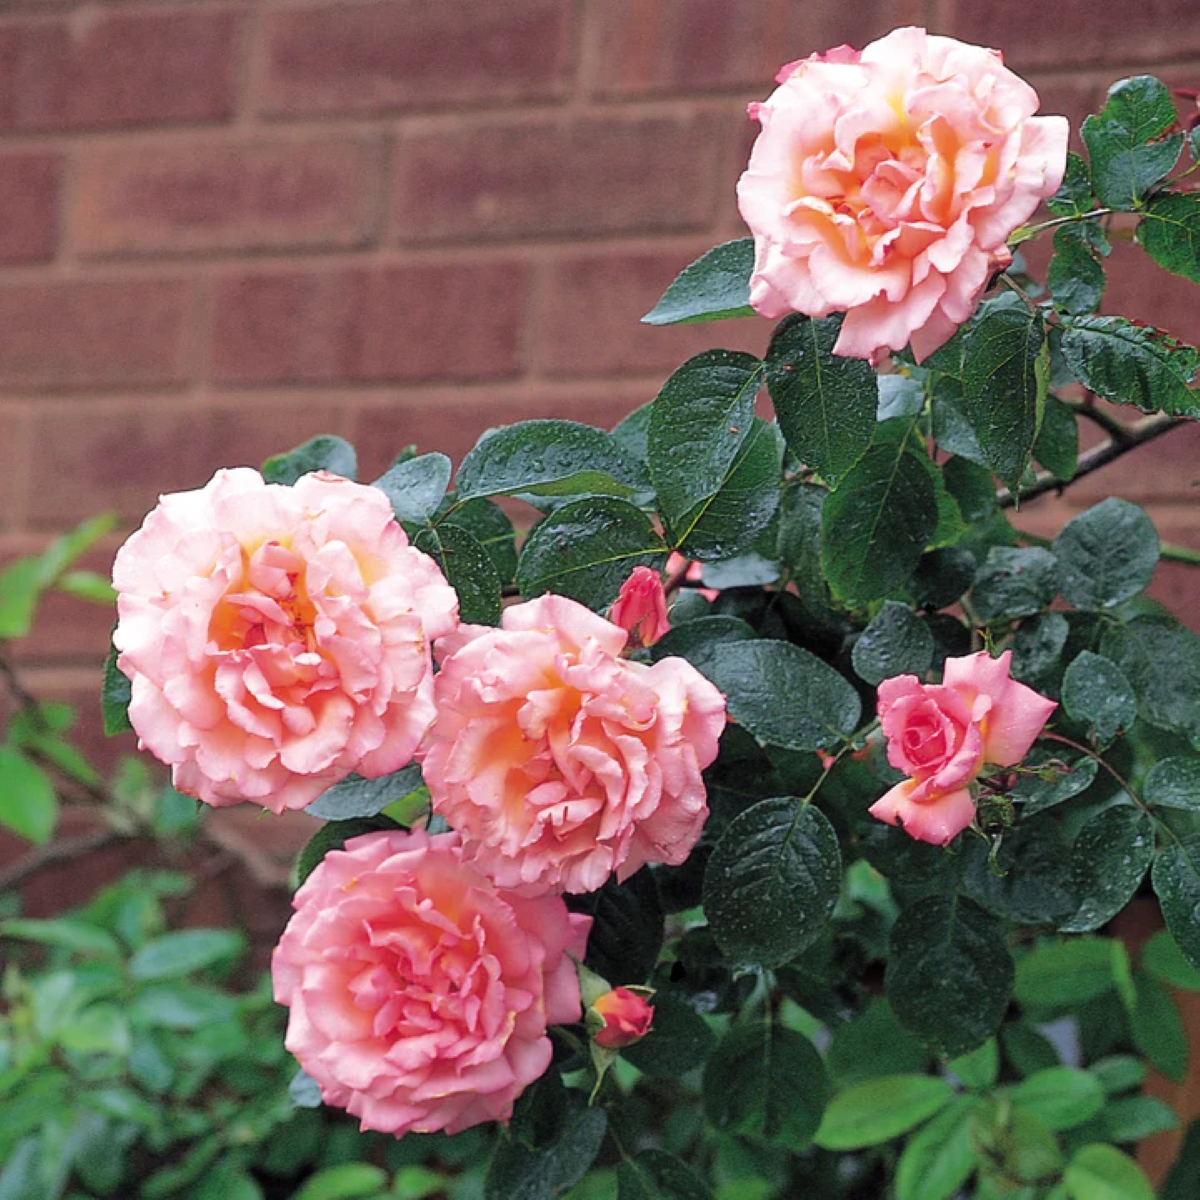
x=277, y=638
x=884, y=185
x=420, y=992
x=941, y=735
x=560, y=762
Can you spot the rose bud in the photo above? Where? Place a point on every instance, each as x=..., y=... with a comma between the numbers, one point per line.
x=641, y=607
x=626, y=1017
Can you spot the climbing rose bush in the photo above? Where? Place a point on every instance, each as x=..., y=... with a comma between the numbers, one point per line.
x=883, y=184
x=277, y=638
x=419, y=991
x=559, y=761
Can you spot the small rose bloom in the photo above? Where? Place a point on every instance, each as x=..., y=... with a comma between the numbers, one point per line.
x=559, y=761
x=627, y=1018
x=420, y=992
x=277, y=638
x=641, y=607
x=884, y=185
x=941, y=735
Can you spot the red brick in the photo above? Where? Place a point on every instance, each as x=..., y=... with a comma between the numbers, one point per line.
x=10, y=450
x=403, y=54
x=119, y=68
x=1138, y=287
x=454, y=425
x=29, y=186
x=123, y=458
x=1079, y=32
x=700, y=45
x=93, y=333
x=551, y=177
x=452, y=321
x=1166, y=469
x=190, y=195
x=591, y=322
x=1070, y=96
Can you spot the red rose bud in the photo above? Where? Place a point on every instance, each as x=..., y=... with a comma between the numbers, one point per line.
x=641, y=607
x=627, y=1018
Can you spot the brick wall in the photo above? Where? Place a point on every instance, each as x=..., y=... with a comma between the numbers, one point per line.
x=229, y=226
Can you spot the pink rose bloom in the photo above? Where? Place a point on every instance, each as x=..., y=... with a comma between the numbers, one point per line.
x=641, y=607
x=884, y=184
x=277, y=638
x=627, y=1018
x=419, y=992
x=559, y=761
x=941, y=735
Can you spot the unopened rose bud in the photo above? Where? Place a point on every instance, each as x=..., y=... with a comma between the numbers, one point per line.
x=641, y=607
x=627, y=1017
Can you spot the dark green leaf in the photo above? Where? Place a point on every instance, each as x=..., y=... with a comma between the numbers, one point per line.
x=586, y=549
x=1097, y=694
x=518, y=1173
x=766, y=1082
x=949, y=973
x=322, y=453
x=1005, y=376
x=1130, y=141
x=1176, y=880
x=772, y=882
x=826, y=404
x=875, y=526
x=783, y=695
x=715, y=286
x=1014, y=582
x=1106, y=555
x=115, y=695
x=1075, y=277
x=185, y=952
x=1183, y=1181
x=896, y=642
x=679, y=1040
x=1119, y=1073
x=1037, y=649
x=951, y=429
x=971, y=486
x=1029, y=880
x=880, y=1109
x=1174, y=783
x=1074, y=196
x=1162, y=661
x=938, y=1159
x=873, y=1043
x=1158, y=1030
x=1162, y=957
x=359, y=797
x=1057, y=445
x=1132, y=1118
x=333, y=836
x=632, y=432
x=1170, y=233
x=1108, y=861
x=1060, y=1097
x=799, y=544
x=492, y=530
x=697, y=640
x=468, y=569
x=547, y=458
x=1066, y=974
x=657, y=1175
x=899, y=396
x=28, y=803
x=416, y=486
x=1132, y=363
x=1028, y=1050
x=627, y=928
x=940, y=579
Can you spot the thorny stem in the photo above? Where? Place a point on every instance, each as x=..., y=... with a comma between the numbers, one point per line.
x=1090, y=753
x=1032, y=231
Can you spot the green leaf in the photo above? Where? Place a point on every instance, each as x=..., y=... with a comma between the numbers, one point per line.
x=1005, y=375
x=873, y=1043
x=1074, y=196
x=1183, y=1181
x=938, y=1159
x=1057, y=445
x=322, y=453
x=1014, y=582
x=586, y=550
x=1119, y=1073
x=876, y=525
x=657, y=1175
x=359, y=797
x=1162, y=661
x=333, y=835
x=772, y=882
x=468, y=569
x=1060, y=1097
x=1096, y=693
x=878, y=1110
x=1132, y=363
x=949, y=973
x=415, y=486
x=767, y=1083
x=896, y=642
x=1106, y=555
x=1028, y=1050
x=971, y=486
x=1075, y=277
x=627, y=928
x=1133, y=1118
x=69, y=933
x=697, y=640
x=783, y=695
x=185, y=952
x=99, y=1029
x=1028, y=880
x=492, y=530
x=679, y=1040
x=1037, y=649
x=115, y=695
x=1130, y=141
x=1170, y=233
x=346, y=1181
x=980, y=1068
x=1158, y=1030
x=20, y=587
x=1102, y=1172
x=715, y=286
x=799, y=545
x=1174, y=783
x=28, y=804
x=519, y=1173
x=825, y=403
x=1066, y=974
x=547, y=458
x=1162, y=958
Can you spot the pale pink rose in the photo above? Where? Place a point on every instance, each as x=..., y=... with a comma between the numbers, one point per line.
x=884, y=185
x=561, y=762
x=641, y=607
x=941, y=735
x=277, y=638
x=627, y=1018
x=419, y=991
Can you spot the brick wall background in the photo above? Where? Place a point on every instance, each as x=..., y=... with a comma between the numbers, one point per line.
x=229, y=226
